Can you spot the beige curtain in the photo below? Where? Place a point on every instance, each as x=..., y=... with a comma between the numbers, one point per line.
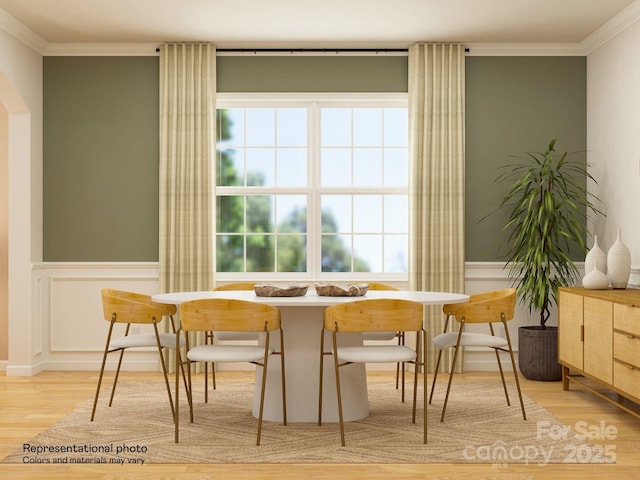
x=436, y=149
x=187, y=152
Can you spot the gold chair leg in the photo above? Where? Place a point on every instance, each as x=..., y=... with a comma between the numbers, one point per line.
x=117, y=376
x=515, y=370
x=206, y=381
x=184, y=378
x=164, y=369
x=504, y=383
x=179, y=359
x=435, y=373
x=264, y=383
x=337, y=368
x=400, y=336
x=453, y=368
x=104, y=362
x=176, y=417
x=190, y=383
x=115, y=380
x=424, y=384
x=401, y=364
x=284, y=390
x=415, y=376
x=321, y=377
x=435, y=376
x=209, y=338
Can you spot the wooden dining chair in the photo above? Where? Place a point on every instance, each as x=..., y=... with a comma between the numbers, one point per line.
x=129, y=308
x=227, y=315
x=497, y=306
x=385, y=336
x=376, y=315
x=226, y=336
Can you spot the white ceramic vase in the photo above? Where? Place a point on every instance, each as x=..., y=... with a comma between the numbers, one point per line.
x=595, y=280
x=595, y=257
x=619, y=263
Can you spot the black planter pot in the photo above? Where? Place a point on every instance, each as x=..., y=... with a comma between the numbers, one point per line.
x=538, y=353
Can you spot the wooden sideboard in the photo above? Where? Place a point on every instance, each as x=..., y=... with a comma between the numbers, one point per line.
x=599, y=339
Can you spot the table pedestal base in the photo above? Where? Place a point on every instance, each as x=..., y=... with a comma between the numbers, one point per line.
x=302, y=326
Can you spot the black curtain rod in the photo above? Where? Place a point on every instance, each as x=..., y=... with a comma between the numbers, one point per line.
x=312, y=50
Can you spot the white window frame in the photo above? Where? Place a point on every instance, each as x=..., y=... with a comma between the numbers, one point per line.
x=312, y=101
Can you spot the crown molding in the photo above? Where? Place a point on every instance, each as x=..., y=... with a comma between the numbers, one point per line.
x=612, y=28
x=22, y=33
x=100, y=49
x=524, y=49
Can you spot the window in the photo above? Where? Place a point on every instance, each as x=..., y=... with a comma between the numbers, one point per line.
x=312, y=187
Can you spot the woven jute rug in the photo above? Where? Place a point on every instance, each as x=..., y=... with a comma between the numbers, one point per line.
x=479, y=428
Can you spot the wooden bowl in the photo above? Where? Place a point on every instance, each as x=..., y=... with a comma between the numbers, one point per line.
x=271, y=290
x=341, y=289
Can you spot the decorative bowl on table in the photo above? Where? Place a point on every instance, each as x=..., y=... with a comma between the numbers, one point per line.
x=341, y=289
x=272, y=290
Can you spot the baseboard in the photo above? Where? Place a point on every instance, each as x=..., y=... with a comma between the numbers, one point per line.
x=24, y=370
x=3, y=365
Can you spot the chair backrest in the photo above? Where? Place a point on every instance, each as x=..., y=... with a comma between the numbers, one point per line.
x=227, y=315
x=488, y=307
x=236, y=286
x=375, y=315
x=131, y=307
x=380, y=286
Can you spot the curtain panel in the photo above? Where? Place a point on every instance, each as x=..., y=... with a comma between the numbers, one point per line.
x=436, y=150
x=187, y=152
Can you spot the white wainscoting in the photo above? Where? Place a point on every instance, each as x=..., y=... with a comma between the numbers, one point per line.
x=69, y=329
x=69, y=318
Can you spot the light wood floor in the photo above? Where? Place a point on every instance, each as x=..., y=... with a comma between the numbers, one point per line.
x=30, y=405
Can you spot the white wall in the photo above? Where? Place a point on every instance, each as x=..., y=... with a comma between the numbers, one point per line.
x=613, y=137
x=4, y=233
x=21, y=96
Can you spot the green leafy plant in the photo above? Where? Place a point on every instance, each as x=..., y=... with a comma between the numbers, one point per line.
x=547, y=203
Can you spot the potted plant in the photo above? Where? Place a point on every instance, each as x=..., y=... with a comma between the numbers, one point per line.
x=547, y=204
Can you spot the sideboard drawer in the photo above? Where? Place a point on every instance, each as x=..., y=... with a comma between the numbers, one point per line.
x=602, y=332
x=626, y=318
x=626, y=378
x=626, y=347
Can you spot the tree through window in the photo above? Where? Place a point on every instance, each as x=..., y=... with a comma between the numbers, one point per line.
x=307, y=189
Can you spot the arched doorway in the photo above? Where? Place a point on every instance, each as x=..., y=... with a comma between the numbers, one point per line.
x=15, y=199
x=4, y=234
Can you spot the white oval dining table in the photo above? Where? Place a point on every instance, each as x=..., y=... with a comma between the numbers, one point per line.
x=302, y=323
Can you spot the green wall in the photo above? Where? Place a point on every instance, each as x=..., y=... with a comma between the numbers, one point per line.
x=312, y=74
x=101, y=135
x=515, y=105
x=100, y=189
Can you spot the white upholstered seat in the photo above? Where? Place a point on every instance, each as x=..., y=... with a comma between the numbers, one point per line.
x=167, y=340
x=227, y=353
x=227, y=315
x=376, y=354
x=130, y=308
x=446, y=340
x=497, y=306
x=377, y=315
